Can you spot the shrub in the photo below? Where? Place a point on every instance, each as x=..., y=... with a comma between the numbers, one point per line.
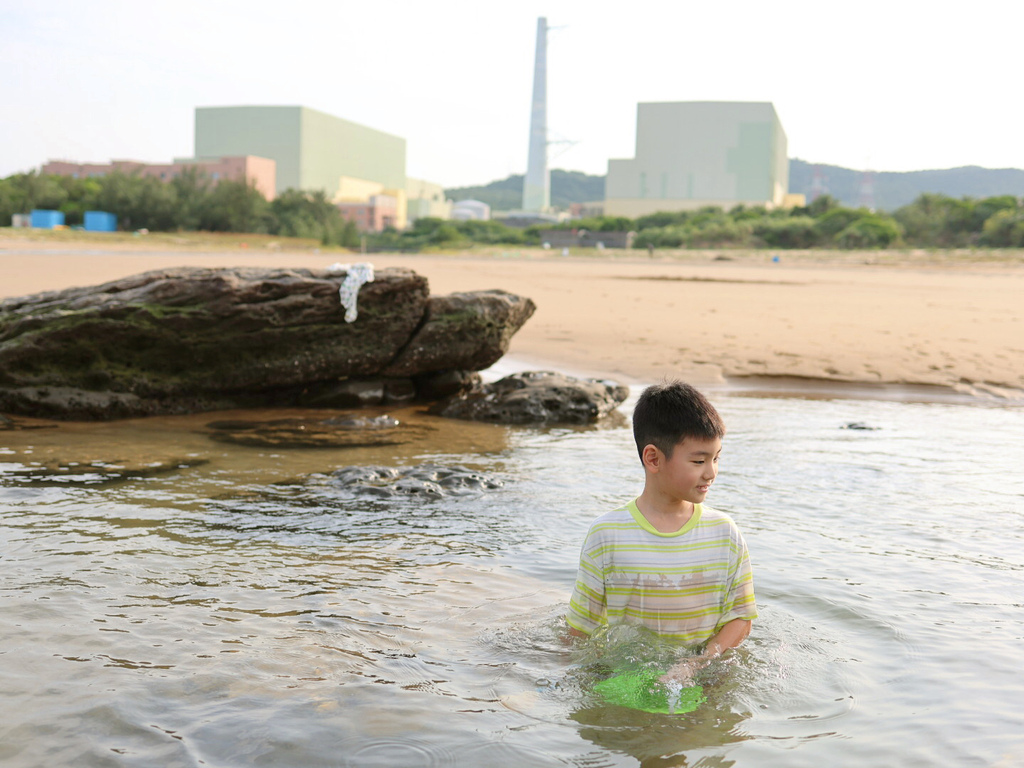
x=1004, y=229
x=834, y=221
x=795, y=232
x=870, y=231
x=720, y=232
x=661, y=219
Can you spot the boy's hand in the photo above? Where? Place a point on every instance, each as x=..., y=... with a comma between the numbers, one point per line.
x=683, y=672
x=729, y=636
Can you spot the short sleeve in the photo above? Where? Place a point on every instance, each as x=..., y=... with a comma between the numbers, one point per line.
x=739, y=600
x=587, y=606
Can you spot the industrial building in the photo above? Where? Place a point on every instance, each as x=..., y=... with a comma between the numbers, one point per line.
x=426, y=200
x=274, y=148
x=257, y=171
x=692, y=154
x=376, y=214
x=314, y=151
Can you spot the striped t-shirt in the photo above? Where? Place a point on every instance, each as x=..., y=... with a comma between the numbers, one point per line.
x=683, y=585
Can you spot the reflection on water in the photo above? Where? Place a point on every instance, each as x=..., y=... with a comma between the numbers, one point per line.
x=222, y=607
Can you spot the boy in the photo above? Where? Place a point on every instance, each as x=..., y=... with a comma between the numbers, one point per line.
x=665, y=561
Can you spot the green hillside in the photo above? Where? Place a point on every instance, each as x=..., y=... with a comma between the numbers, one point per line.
x=892, y=190
x=507, y=194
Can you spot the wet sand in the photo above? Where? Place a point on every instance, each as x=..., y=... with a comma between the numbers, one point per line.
x=907, y=327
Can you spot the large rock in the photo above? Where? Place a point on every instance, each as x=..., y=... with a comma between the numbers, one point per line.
x=463, y=331
x=536, y=397
x=194, y=339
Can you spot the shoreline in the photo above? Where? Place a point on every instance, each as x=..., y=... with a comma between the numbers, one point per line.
x=782, y=386
x=806, y=326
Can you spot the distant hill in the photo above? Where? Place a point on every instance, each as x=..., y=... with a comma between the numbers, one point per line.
x=507, y=194
x=891, y=189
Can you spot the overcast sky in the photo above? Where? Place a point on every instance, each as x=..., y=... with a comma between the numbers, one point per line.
x=891, y=86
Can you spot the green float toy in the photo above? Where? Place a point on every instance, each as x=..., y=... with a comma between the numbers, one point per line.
x=641, y=689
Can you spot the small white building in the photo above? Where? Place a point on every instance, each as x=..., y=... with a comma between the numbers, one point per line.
x=470, y=210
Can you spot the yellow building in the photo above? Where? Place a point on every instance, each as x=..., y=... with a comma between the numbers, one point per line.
x=426, y=200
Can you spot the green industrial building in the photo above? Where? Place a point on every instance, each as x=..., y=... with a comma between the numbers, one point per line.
x=312, y=150
x=691, y=154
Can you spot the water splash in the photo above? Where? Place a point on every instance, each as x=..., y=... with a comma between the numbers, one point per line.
x=674, y=689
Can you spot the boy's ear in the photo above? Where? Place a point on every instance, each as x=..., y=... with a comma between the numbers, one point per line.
x=651, y=457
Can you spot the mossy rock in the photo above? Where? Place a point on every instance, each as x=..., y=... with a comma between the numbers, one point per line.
x=188, y=340
x=182, y=340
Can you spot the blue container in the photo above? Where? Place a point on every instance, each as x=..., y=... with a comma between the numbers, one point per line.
x=100, y=221
x=43, y=219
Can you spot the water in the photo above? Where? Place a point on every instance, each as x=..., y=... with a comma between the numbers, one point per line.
x=231, y=614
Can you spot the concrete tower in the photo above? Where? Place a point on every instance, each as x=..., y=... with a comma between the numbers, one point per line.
x=537, y=184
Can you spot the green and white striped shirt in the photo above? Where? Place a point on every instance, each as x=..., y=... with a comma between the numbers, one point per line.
x=684, y=585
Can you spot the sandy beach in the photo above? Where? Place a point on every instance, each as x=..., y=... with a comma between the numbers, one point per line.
x=881, y=325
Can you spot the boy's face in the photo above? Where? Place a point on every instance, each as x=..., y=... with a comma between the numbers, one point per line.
x=690, y=471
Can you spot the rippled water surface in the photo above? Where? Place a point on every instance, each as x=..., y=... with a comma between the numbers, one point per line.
x=234, y=612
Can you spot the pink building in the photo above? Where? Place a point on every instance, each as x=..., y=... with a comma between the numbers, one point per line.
x=258, y=171
x=375, y=215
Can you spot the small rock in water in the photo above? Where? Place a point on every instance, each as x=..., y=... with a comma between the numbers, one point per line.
x=536, y=397
x=427, y=480
x=365, y=475
x=858, y=425
x=363, y=422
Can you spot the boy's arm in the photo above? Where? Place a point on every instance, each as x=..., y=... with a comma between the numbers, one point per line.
x=729, y=636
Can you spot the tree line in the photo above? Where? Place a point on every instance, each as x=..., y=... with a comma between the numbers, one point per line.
x=931, y=221
x=192, y=201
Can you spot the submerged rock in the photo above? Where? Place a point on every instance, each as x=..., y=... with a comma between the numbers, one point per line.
x=426, y=480
x=186, y=340
x=435, y=386
x=97, y=472
x=363, y=422
x=12, y=424
x=536, y=397
x=338, y=432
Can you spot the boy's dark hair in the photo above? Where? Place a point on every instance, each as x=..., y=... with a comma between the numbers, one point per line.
x=666, y=414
